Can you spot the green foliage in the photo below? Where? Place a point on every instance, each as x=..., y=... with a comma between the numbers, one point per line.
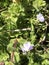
x=15, y=20
x=38, y=4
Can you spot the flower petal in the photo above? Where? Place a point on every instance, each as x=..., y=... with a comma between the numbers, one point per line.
x=31, y=47
x=40, y=17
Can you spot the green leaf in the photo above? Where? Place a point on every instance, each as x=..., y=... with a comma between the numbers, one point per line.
x=17, y=57
x=37, y=4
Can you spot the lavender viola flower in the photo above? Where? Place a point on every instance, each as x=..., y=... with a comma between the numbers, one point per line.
x=27, y=47
x=40, y=17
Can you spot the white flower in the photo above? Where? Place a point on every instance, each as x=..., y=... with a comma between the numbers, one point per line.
x=27, y=47
x=40, y=17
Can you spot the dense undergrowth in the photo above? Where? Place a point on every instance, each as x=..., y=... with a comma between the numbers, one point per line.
x=23, y=22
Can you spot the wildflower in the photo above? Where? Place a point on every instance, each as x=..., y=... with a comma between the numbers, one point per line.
x=40, y=17
x=27, y=47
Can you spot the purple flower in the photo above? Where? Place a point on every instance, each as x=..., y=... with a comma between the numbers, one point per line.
x=40, y=17
x=27, y=47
